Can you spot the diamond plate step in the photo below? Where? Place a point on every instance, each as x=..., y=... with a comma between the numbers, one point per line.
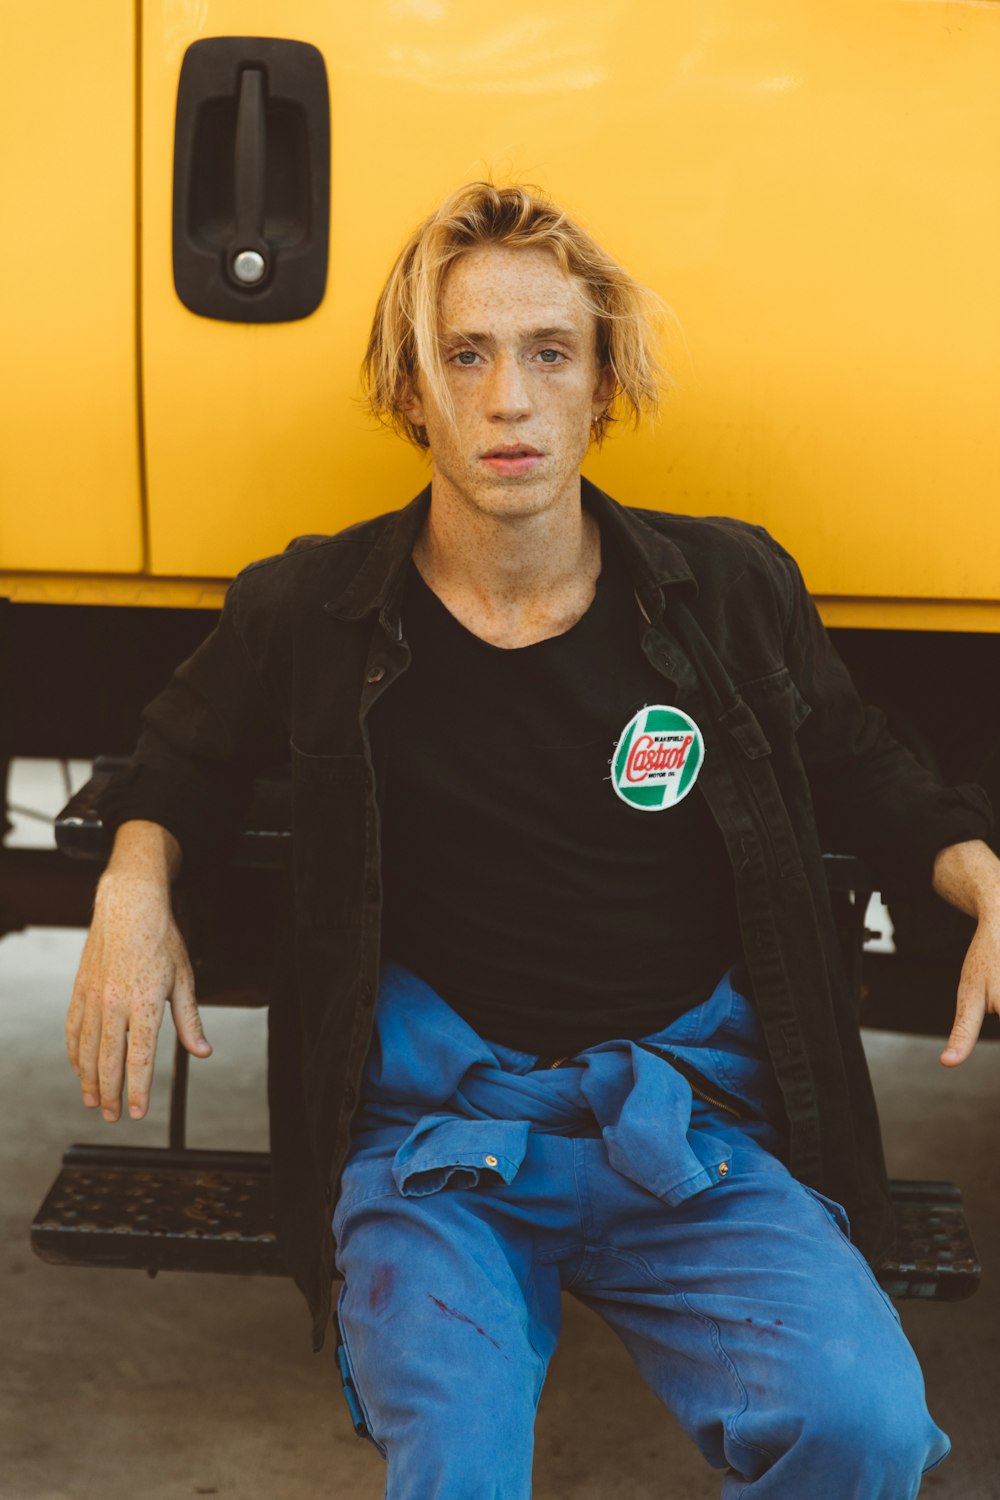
x=160, y=1210
x=934, y=1255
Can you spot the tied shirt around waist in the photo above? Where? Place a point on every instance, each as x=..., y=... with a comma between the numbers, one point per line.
x=466, y=1106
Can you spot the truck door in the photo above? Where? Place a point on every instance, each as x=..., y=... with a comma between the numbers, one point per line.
x=70, y=472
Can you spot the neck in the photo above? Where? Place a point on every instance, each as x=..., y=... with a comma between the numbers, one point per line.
x=510, y=579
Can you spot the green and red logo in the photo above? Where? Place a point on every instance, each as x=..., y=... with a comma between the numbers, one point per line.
x=657, y=759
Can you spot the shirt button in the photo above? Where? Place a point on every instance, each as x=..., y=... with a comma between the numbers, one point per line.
x=375, y=674
x=490, y=1161
x=723, y=1169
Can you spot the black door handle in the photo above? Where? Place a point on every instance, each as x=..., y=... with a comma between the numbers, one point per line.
x=252, y=179
x=250, y=167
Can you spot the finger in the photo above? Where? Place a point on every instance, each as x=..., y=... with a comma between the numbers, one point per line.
x=142, y=1037
x=111, y=1063
x=187, y=1019
x=89, y=1048
x=74, y=1024
x=968, y=1024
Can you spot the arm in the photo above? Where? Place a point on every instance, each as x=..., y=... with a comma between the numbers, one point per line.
x=871, y=797
x=134, y=961
x=968, y=876
x=874, y=799
x=204, y=737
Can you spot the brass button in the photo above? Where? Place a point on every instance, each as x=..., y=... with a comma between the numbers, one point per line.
x=723, y=1169
x=376, y=674
x=490, y=1161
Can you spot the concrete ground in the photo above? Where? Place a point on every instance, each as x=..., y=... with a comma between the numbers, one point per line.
x=116, y=1386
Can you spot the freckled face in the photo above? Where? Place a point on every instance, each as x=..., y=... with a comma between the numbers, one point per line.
x=519, y=348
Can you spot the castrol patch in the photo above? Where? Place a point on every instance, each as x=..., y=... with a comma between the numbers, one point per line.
x=657, y=758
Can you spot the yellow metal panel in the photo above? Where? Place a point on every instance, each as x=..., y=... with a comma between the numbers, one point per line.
x=113, y=588
x=69, y=448
x=981, y=616
x=812, y=187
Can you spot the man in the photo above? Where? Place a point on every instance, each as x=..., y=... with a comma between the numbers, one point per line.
x=562, y=773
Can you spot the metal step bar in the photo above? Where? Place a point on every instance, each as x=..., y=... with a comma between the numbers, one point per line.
x=155, y=1209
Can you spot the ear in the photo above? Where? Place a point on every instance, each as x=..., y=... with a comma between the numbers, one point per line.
x=411, y=405
x=603, y=392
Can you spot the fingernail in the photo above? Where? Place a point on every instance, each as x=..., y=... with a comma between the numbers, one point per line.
x=90, y=1100
x=135, y=1110
x=109, y=1115
x=950, y=1052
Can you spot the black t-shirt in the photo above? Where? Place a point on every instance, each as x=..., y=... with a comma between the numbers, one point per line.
x=546, y=910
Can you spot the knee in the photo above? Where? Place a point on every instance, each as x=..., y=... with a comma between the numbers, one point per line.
x=881, y=1430
x=445, y=1450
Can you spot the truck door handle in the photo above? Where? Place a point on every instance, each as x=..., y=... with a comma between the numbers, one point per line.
x=248, y=257
x=251, y=209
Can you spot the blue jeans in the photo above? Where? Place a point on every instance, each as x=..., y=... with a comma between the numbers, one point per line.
x=743, y=1303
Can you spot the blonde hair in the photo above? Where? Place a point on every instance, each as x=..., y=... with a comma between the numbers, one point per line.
x=404, y=337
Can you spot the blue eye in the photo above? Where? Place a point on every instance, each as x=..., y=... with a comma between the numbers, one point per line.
x=550, y=356
x=465, y=357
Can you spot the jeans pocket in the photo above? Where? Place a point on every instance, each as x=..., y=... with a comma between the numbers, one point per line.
x=838, y=1217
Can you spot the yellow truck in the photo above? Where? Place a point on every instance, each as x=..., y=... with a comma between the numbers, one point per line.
x=812, y=188
x=203, y=198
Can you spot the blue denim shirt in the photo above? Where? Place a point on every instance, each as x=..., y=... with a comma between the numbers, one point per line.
x=464, y=1107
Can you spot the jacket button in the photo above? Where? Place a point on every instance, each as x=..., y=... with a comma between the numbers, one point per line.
x=375, y=674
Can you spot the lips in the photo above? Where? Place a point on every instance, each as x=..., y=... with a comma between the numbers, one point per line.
x=511, y=459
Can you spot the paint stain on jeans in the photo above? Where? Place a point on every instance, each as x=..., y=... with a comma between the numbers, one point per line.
x=380, y=1290
x=460, y=1317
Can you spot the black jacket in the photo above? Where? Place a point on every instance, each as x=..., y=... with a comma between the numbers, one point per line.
x=309, y=639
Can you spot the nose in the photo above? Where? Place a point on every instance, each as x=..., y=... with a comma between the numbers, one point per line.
x=507, y=394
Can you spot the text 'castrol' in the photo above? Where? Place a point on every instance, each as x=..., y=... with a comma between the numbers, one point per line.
x=657, y=758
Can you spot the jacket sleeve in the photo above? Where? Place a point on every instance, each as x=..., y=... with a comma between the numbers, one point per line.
x=203, y=739
x=871, y=796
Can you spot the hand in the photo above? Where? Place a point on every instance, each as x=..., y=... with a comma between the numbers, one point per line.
x=133, y=963
x=968, y=876
x=978, y=990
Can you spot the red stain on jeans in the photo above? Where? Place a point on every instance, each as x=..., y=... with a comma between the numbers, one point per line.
x=381, y=1288
x=460, y=1317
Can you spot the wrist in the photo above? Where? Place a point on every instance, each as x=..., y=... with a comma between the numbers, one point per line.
x=146, y=852
x=968, y=876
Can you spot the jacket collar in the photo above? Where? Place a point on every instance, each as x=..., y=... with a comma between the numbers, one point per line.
x=654, y=560
x=378, y=581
